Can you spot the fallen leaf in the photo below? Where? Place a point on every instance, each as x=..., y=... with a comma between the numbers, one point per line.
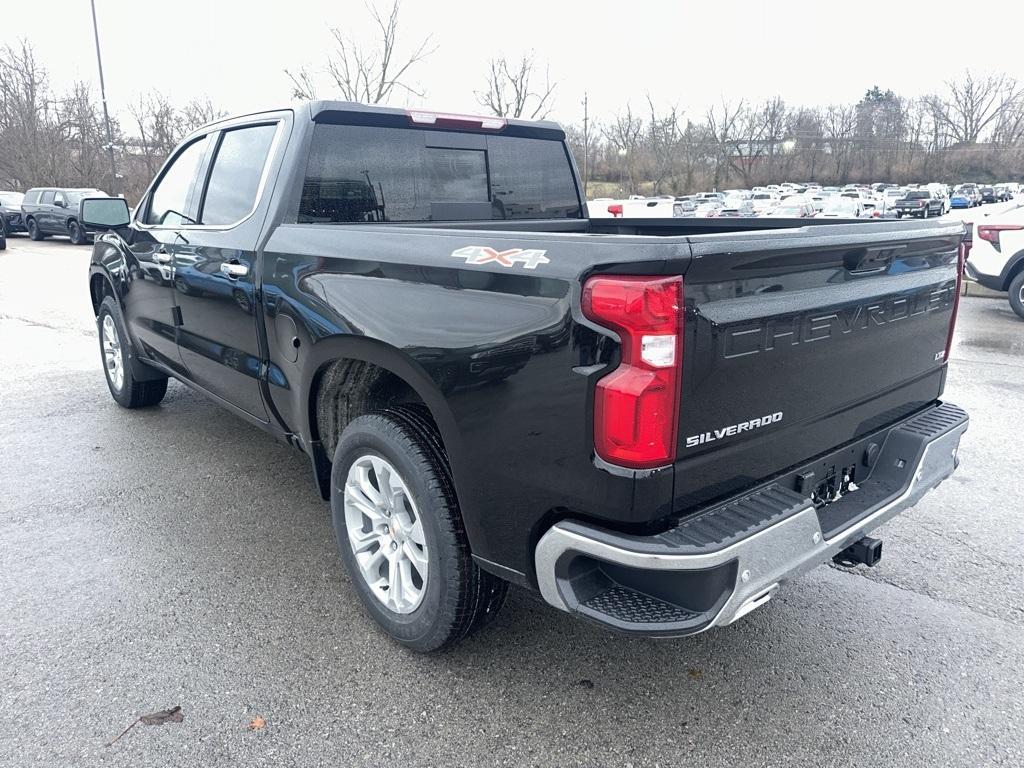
x=695, y=674
x=172, y=715
x=257, y=724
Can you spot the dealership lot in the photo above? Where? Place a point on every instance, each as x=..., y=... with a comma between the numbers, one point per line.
x=149, y=560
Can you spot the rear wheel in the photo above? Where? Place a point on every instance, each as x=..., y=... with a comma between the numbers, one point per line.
x=126, y=390
x=400, y=533
x=33, y=230
x=924, y=214
x=1017, y=295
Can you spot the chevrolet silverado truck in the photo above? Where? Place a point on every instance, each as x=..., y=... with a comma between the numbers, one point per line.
x=652, y=424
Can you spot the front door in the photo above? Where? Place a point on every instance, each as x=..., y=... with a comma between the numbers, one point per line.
x=215, y=270
x=44, y=213
x=150, y=313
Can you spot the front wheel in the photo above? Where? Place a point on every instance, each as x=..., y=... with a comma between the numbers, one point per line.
x=1017, y=295
x=124, y=388
x=77, y=233
x=924, y=214
x=400, y=533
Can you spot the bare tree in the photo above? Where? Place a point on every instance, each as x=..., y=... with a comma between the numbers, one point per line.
x=624, y=133
x=27, y=145
x=664, y=137
x=368, y=74
x=839, y=124
x=512, y=90
x=972, y=105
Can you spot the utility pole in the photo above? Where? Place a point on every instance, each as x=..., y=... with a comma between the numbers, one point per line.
x=103, y=98
x=586, y=145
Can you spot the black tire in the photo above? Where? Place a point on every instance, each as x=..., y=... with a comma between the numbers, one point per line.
x=1017, y=295
x=77, y=233
x=459, y=597
x=33, y=230
x=132, y=393
x=3, y=242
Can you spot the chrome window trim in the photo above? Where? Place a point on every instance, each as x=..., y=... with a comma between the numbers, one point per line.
x=260, y=189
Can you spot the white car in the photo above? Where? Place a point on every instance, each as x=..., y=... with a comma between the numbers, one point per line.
x=996, y=258
x=764, y=202
x=889, y=198
x=841, y=207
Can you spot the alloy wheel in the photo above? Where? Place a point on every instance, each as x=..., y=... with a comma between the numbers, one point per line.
x=385, y=531
x=112, y=357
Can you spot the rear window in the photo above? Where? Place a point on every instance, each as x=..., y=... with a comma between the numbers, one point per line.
x=370, y=174
x=918, y=195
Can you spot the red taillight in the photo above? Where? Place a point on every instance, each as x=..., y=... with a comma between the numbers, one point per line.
x=990, y=232
x=452, y=120
x=636, y=407
x=615, y=209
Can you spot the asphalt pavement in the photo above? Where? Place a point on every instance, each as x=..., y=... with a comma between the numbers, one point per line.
x=178, y=557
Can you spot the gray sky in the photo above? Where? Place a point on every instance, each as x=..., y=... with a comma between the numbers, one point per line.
x=684, y=52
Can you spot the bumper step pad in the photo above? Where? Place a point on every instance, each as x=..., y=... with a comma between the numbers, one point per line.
x=717, y=565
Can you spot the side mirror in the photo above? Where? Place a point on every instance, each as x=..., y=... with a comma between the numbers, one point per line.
x=60, y=203
x=102, y=213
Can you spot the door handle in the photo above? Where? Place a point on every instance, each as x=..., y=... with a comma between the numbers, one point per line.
x=234, y=269
x=162, y=257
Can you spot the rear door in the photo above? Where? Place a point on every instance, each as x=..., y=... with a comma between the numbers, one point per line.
x=215, y=267
x=797, y=341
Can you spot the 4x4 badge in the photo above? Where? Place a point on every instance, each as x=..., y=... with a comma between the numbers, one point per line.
x=482, y=254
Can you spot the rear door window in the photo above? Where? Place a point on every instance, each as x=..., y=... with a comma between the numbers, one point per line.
x=47, y=197
x=237, y=171
x=379, y=174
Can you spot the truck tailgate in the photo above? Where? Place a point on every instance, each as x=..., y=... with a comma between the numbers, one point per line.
x=801, y=340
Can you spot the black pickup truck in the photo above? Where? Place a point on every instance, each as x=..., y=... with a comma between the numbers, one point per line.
x=652, y=423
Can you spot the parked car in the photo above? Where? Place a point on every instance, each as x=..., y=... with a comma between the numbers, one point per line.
x=960, y=199
x=1003, y=193
x=10, y=212
x=970, y=192
x=890, y=196
x=866, y=202
x=919, y=202
x=792, y=208
x=996, y=258
x=646, y=492
x=734, y=207
x=54, y=211
x=840, y=207
x=988, y=195
x=708, y=208
x=940, y=191
x=763, y=202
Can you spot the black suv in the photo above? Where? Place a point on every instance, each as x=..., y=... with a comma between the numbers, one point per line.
x=54, y=211
x=988, y=195
x=10, y=212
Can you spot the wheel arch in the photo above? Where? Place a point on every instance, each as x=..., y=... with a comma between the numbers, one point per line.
x=369, y=375
x=1014, y=266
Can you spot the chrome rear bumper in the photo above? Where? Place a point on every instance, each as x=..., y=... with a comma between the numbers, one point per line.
x=702, y=575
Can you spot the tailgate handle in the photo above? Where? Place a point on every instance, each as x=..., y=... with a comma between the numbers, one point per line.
x=870, y=261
